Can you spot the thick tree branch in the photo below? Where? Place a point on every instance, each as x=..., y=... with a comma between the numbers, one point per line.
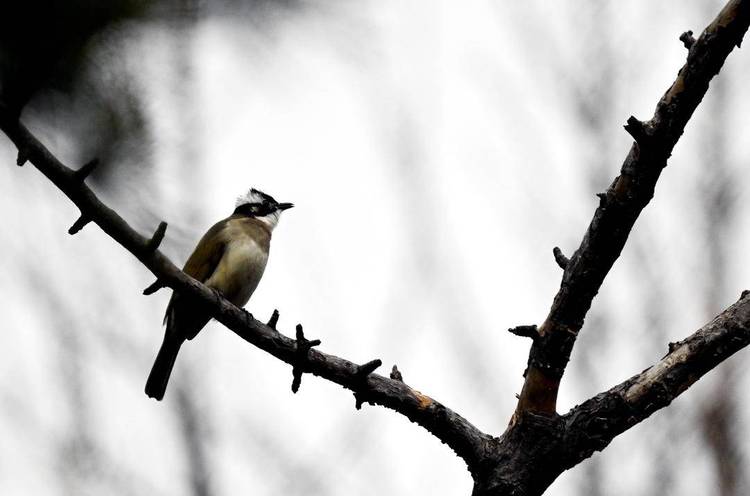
x=592, y=425
x=452, y=429
x=537, y=448
x=621, y=205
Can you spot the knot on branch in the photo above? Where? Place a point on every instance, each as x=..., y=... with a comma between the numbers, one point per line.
x=274, y=319
x=301, y=355
x=561, y=260
x=153, y=287
x=639, y=131
x=81, y=174
x=396, y=374
x=671, y=347
x=153, y=244
x=79, y=224
x=687, y=39
x=744, y=293
x=525, y=331
x=247, y=317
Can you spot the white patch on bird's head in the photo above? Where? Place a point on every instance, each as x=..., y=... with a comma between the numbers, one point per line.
x=261, y=206
x=253, y=196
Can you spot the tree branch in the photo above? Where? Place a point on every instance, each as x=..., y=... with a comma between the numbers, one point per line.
x=592, y=425
x=467, y=441
x=621, y=205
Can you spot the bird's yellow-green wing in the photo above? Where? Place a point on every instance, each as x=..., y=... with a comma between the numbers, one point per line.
x=204, y=259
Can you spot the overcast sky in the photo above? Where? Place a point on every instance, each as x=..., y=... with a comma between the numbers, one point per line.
x=436, y=152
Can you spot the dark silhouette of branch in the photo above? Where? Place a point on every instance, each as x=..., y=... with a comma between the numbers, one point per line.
x=621, y=205
x=593, y=424
x=455, y=431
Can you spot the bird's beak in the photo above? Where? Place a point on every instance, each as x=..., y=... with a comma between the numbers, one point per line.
x=284, y=206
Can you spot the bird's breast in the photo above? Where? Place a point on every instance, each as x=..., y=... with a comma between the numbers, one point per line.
x=240, y=270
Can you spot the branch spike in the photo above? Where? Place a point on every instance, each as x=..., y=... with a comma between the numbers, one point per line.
x=562, y=260
x=274, y=319
x=525, y=331
x=82, y=173
x=368, y=368
x=153, y=287
x=153, y=243
x=396, y=374
x=637, y=129
x=79, y=224
x=22, y=157
x=687, y=39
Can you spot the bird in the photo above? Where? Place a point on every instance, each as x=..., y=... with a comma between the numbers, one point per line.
x=230, y=258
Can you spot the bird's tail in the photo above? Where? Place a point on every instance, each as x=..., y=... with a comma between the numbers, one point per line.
x=156, y=384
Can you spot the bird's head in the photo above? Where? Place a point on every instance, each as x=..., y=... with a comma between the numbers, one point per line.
x=263, y=207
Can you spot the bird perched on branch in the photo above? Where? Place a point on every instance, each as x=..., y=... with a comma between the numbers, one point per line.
x=229, y=258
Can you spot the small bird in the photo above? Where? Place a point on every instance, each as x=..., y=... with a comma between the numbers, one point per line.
x=229, y=258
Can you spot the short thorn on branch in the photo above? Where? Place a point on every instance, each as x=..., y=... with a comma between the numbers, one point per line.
x=79, y=224
x=396, y=374
x=602, y=199
x=637, y=129
x=368, y=368
x=687, y=39
x=22, y=157
x=300, y=361
x=82, y=173
x=157, y=238
x=153, y=287
x=274, y=319
x=363, y=371
x=562, y=260
x=525, y=331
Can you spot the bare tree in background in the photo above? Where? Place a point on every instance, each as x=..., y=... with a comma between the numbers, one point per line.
x=593, y=96
x=539, y=444
x=718, y=414
x=195, y=423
